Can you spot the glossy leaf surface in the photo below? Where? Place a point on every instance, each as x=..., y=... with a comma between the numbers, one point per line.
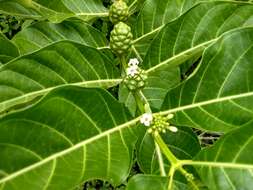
x=58, y=64
x=72, y=135
x=41, y=34
x=54, y=10
x=218, y=96
x=190, y=34
x=228, y=164
x=8, y=50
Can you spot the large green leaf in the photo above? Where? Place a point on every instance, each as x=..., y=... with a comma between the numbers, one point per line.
x=58, y=64
x=218, y=97
x=153, y=17
x=152, y=182
x=191, y=33
x=155, y=14
x=41, y=34
x=228, y=165
x=54, y=10
x=73, y=135
x=8, y=50
x=184, y=144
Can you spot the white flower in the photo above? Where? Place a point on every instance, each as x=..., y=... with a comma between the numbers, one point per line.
x=132, y=71
x=173, y=129
x=146, y=119
x=133, y=62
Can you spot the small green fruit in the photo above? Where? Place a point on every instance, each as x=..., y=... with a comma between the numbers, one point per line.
x=136, y=82
x=118, y=12
x=121, y=38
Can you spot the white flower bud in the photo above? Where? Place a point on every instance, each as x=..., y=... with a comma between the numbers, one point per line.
x=173, y=129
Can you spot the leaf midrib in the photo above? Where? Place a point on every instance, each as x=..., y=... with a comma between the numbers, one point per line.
x=35, y=94
x=50, y=44
x=71, y=149
x=217, y=164
x=204, y=103
x=171, y=59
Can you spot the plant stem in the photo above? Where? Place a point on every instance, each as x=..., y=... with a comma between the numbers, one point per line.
x=139, y=102
x=142, y=96
x=175, y=163
x=142, y=102
x=123, y=64
x=194, y=185
x=171, y=175
x=160, y=160
x=166, y=151
x=187, y=175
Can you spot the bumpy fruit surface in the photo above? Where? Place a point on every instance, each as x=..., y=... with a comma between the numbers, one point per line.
x=118, y=12
x=121, y=38
x=137, y=82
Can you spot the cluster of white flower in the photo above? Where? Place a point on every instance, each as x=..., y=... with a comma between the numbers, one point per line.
x=133, y=68
x=158, y=123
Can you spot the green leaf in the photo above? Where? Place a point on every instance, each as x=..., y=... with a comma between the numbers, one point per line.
x=152, y=182
x=190, y=34
x=54, y=10
x=42, y=34
x=8, y=50
x=184, y=144
x=218, y=97
x=153, y=17
x=73, y=135
x=58, y=64
x=228, y=164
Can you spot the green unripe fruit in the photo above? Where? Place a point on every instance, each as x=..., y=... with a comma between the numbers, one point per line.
x=136, y=82
x=118, y=12
x=121, y=38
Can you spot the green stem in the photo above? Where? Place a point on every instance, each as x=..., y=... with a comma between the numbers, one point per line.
x=144, y=100
x=142, y=96
x=139, y=102
x=175, y=163
x=187, y=176
x=194, y=185
x=160, y=160
x=123, y=65
x=171, y=176
x=166, y=151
